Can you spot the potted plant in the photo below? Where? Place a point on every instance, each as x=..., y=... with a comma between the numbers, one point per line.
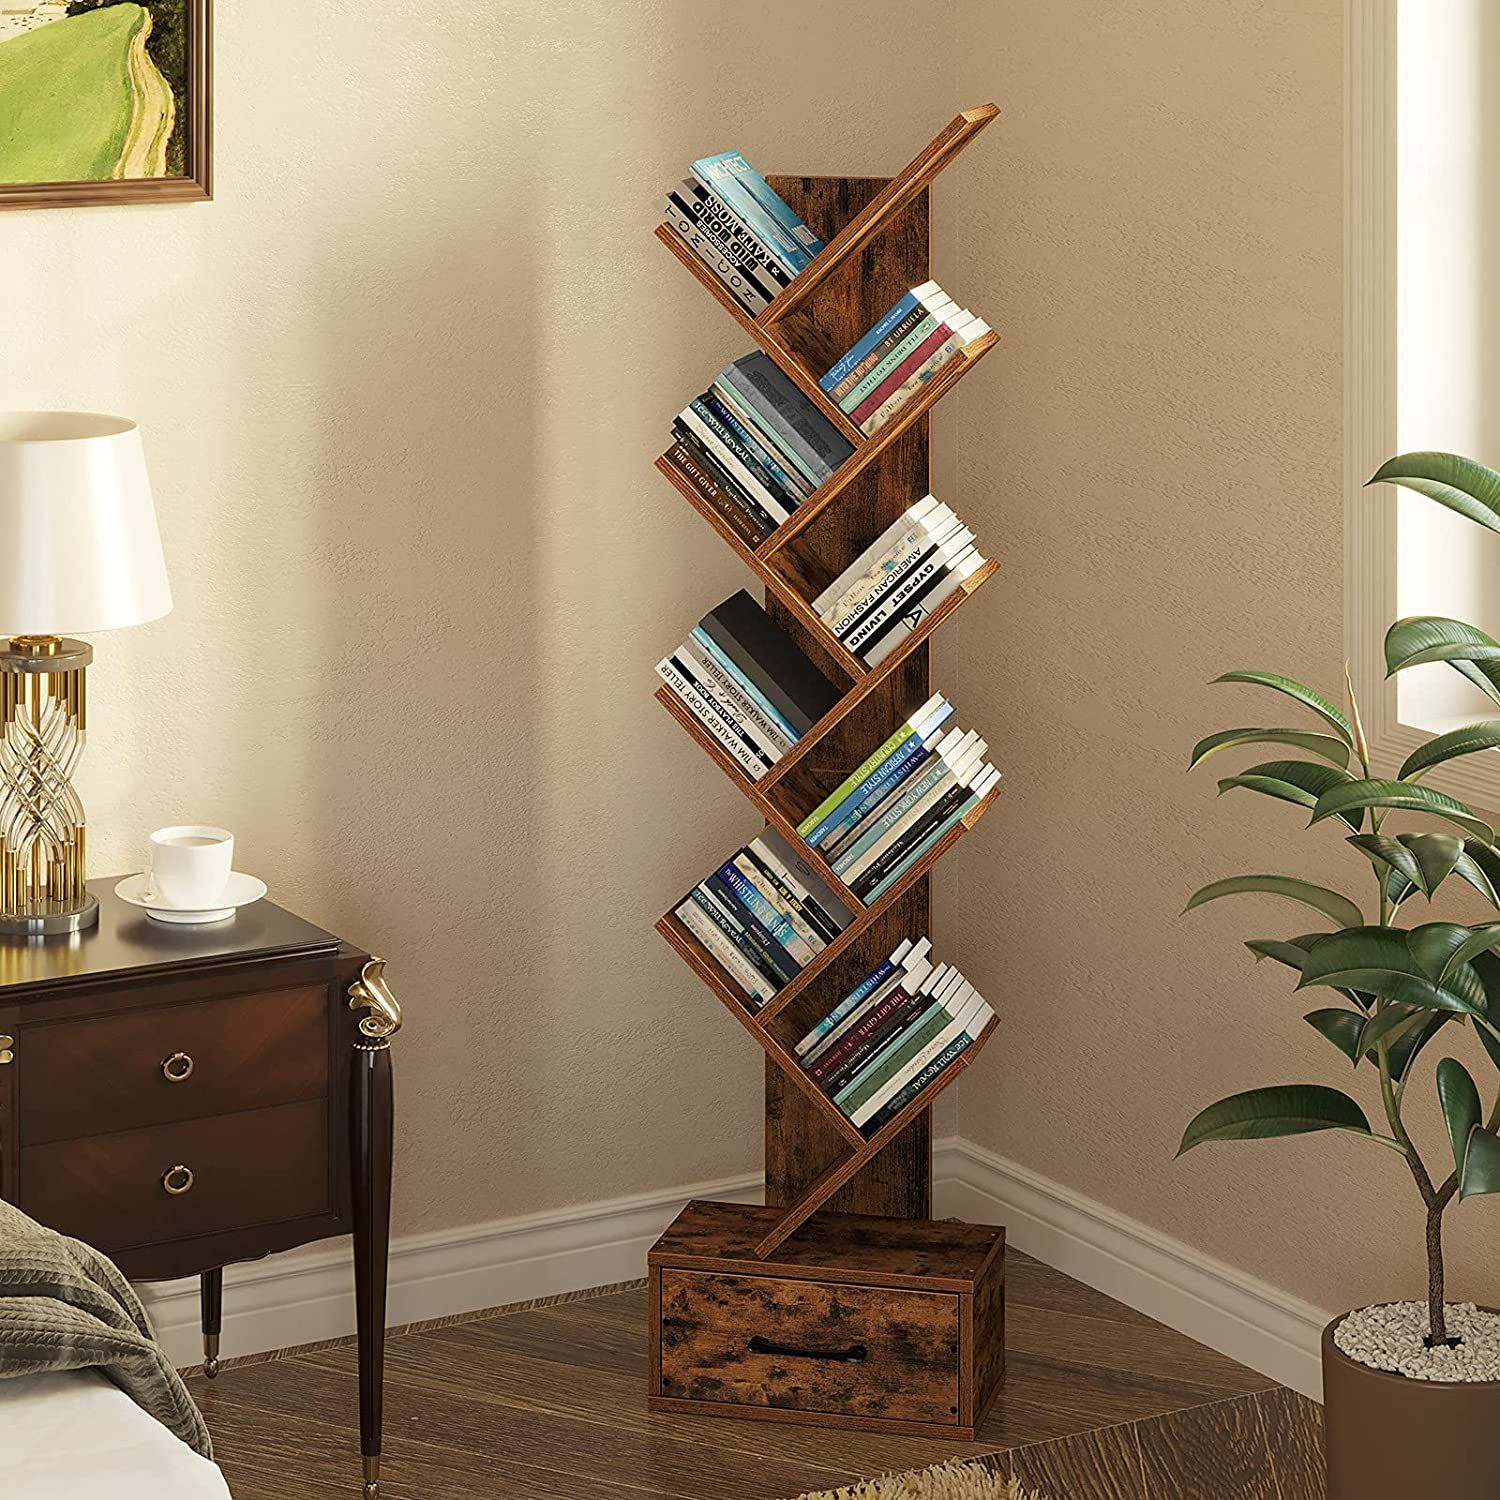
x=1411, y=1389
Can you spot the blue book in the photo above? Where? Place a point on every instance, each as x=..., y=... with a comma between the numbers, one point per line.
x=763, y=940
x=898, y=771
x=736, y=929
x=702, y=638
x=756, y=446
x=733, y=180
x=897, y=764
x=908, y=1040
x=906, y=304
x=917, y=852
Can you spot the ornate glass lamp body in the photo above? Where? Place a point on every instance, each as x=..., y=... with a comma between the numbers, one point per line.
x=42, y=723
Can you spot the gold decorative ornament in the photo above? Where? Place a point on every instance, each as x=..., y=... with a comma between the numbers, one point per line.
x=178, y=1068
x=177, y=1180
x=371, y=992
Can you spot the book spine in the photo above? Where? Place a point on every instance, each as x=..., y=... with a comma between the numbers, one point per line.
x=726, y=481
x=756, y=904
x=744, y=526
x=751, y=763
x=919, y=1030
x=759, y=945
x=915, y=612
x=719, y=220
x=875, y=828
x=913, y=1066
x=888, y=544
x=771, y=390
x=909, y=1091
x=708, y=643
x=887, y=970
x=745, y=292
x=796, y=875
x=738, y=184
x=909, y=388
x=893, y=359
x=809, y=941
x=728, y=706
x=914, y=852
x=822, y=931
x=725, y=954
x=794, y=485
x=911, y=585
x=925, y=541
x=915, y=358
x=867, y=362
x=847, y=1046
x=736, y=697
x=718, y=448
x=903, y=764
x=872, y=762
x=894, y=850
x=690, y=208
x=728, y=922
x=844, y=366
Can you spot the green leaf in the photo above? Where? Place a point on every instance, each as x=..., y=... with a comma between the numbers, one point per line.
x=1466, y=741
x=1481, y=1164
x=1487, y=967
x=1379, y=960
x=1402, y=1042
x=1381, y=849
x=1325, y=745
x=1427, y=638
x=1343, y=1028
x=1481, y=868
x=1288, y=951
x=1302, y=693
x=1291, y=1109
x=1436, y=854
x=1403, y=795
x=1459, y=483
x=1340, y=908
x=1460, y=1100
x=1299, y=781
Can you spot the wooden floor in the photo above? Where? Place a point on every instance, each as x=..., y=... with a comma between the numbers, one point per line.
x=1100, y=1403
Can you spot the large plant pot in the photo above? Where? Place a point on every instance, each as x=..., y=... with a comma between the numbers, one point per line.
x=1390, y=1438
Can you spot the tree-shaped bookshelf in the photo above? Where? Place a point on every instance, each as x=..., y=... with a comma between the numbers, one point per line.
x=877, y=234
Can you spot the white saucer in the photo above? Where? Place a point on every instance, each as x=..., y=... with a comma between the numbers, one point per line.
x=240, y=890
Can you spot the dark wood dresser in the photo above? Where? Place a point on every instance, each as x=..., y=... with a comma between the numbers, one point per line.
x=186, y=1097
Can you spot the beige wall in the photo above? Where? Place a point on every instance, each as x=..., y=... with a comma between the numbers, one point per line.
x=401, y=384
x=1158, y=240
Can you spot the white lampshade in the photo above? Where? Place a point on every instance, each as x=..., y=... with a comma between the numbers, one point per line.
x=79, y=548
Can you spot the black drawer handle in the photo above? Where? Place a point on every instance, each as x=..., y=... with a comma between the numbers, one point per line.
x=850, y=1356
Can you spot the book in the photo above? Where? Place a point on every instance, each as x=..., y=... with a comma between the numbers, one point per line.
x=913, y=1063
x=711, y=435
x=911, y=586
x=880, y=352
x=917, y=357
x=760, y=447
x=765, y=654
x=883, y=971
x=745, y=755
x=750, y=456
x=920, y=376
x=937, y=529
x=748, y=713
x=797, y=423
x=729, y=882
x=708, y=484
x=894, y=352
x=750, y=942
x=911, y=854
x=872, y=564
x=700, y=637
x=924, y=1076
x=936, y=753
x=724, y=952
x=687, y=207
x=821, y=929
x=731, y=232
x=735, y=492
x=747, y=292
x=811, y=942
x=734, y=181
x=750, y=418
x=915, y=611
x=812, y=891
x=905, y=304
x=732, y=708
x=863, y=1039
x=812, y=826
x=850, y=815
x=895, y=855
x=911, y=977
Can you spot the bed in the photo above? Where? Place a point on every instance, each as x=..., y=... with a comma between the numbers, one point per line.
x=71, y=1435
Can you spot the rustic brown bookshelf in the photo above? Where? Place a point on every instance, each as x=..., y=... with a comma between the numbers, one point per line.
x=877, y=243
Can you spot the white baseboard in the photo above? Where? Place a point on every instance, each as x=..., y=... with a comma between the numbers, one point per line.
x=308, y=1295
x=1250, y=1321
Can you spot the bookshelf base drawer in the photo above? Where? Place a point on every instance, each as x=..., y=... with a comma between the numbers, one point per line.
x=887, y=1324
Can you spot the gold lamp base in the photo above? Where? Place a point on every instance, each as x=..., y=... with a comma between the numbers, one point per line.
x=43, y=889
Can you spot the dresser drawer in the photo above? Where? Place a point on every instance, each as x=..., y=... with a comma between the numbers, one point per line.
x=112, y=1073
x=264, y=1166
x=810, y=1346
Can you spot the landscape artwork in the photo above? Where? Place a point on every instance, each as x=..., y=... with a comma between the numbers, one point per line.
x=103, y=101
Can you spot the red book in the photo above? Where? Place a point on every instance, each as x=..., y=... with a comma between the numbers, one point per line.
x=829, y=1062
x=898, y=377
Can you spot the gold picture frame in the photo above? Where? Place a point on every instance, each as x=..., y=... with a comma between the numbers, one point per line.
x=164, y=141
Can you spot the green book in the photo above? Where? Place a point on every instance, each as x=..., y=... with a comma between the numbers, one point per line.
x=868, y=383
x=896, y=1054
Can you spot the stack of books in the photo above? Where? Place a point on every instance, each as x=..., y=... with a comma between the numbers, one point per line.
x=764, y=915
x=900, y=354
x=748, y=683
x=897, y=581
x=755, y=447
x=741, y=230
x=901, y=801
x=892, y=1035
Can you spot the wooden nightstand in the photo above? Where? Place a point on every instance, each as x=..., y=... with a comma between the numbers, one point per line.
x=185, y=1097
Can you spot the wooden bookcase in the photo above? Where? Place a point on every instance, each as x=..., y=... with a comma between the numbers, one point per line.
x=877, y=234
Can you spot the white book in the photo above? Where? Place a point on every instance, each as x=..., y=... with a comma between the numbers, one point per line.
x=911, y=617
x=726, y=955
x=872, y=554
x=748, y=715
x=972, y=1008
x=745, y=292
x=916, y=543
x=732, y=465
x=744, y=754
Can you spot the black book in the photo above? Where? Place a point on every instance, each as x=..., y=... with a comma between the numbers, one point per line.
x=896, y=855
x=789, y=414
x=769, y=657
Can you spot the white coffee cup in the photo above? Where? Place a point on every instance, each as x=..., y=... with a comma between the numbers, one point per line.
x=191, y=864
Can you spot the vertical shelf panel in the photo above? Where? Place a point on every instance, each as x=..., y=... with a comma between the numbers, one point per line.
x=800, y=1143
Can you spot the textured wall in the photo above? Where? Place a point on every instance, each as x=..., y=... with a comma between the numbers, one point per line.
x=401, y=385
x=1157, y=452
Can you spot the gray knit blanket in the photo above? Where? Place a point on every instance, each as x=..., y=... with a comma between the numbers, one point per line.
x=63, y=1306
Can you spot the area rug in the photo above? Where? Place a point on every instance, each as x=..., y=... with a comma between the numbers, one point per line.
x=950, y=1481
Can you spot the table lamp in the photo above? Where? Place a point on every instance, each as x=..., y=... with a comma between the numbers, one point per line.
x=79, y=551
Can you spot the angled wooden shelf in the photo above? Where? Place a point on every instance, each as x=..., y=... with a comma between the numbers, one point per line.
x=911, y=180
x=897, y=209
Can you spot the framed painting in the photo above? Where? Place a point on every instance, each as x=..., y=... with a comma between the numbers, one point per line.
x=104, y=101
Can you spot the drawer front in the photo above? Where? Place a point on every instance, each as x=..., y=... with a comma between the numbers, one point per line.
x=172, y=1062
x=264, y=1166
x=810, y=1346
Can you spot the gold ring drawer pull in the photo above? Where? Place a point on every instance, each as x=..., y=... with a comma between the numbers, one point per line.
x=178, y=1068
x=177, y=1180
